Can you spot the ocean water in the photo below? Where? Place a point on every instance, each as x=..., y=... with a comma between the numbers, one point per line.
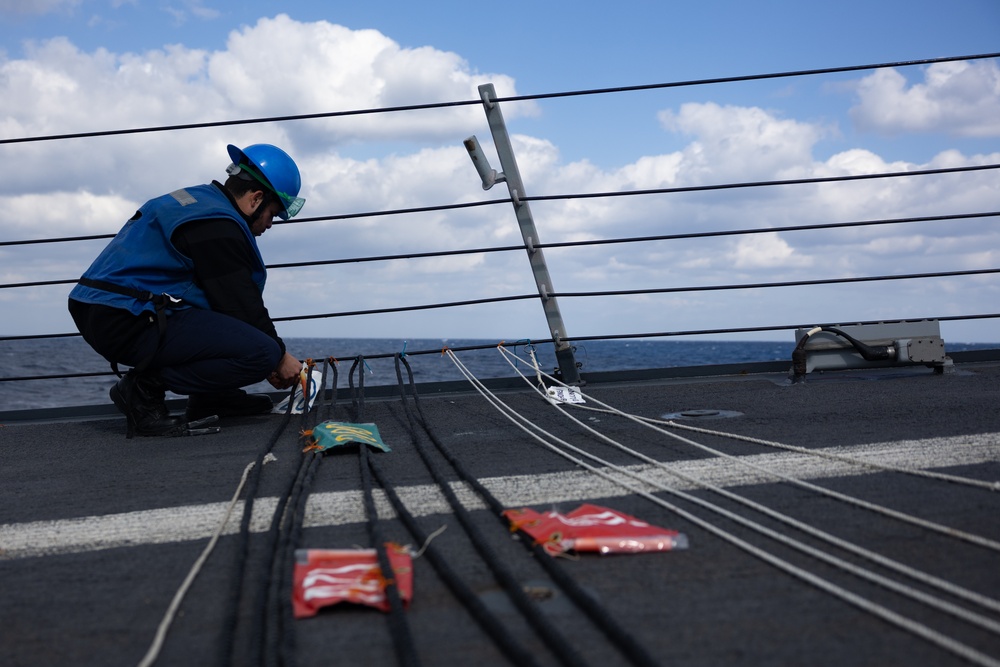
x=70, y=356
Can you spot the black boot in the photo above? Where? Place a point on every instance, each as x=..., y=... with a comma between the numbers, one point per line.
x=227, y=403
x=140, y=397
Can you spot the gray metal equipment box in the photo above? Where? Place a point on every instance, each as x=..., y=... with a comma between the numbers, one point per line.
x=916, y=343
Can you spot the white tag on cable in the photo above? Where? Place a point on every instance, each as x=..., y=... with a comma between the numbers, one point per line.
x=564, y=395
x=298, y=407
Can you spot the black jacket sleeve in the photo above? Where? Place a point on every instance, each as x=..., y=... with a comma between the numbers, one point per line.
x=223, y=268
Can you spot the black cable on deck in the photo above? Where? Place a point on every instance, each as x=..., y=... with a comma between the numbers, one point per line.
x=399, y=628
x=286, y=649
x=502, y=638
x=228, y=625
x=631, y=648
x=564, y=651
x=265, y=623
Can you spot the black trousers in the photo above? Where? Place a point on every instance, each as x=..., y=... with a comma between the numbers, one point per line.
x=200, y=351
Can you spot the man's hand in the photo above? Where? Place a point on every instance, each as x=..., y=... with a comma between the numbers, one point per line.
x=287, y=372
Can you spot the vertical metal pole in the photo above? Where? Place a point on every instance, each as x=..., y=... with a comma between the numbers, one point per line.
x=510, y=174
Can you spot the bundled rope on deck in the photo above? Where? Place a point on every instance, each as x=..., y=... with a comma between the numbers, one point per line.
x=272, y=635
x=273, y=616
x=623, y=640
x=228, y=630
x=900, y=568
x=399, y=628
x=266, y=622
x=249, y=482
x=605, y=471
x=502, y=638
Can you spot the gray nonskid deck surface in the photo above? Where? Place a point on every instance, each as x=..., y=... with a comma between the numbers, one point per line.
x=98, y=532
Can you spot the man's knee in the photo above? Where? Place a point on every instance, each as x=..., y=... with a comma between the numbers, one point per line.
x=266, y=358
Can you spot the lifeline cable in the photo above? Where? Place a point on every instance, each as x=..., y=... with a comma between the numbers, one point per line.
x=517, y=98
x=508, y=644
x=161, y=633
x=265, y=624
x=286, y=650
x=406, y=653
x=399, y=628
x=279, y=636
x=228, y=626
x=878, y=509
x=562, y=649
x=858, y=601
x=922, y=577
x=276, y=618
x=621, y=638
x=929, y=474
x=277, y=624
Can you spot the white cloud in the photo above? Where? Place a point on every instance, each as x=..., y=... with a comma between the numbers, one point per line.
x=766, y=251
x=333, y=68
x=39, y=215
x=280, y=66
x=739, y=142
x=276, y=67
x=955, y=98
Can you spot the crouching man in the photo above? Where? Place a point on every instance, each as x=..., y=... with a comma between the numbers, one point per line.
x=177, y=295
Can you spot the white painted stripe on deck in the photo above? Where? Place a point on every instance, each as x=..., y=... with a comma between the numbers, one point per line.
x=196, y=522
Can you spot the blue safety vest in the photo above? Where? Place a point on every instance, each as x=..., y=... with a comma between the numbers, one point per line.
x=142, y=261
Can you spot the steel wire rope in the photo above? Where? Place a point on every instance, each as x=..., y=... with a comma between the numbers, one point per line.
x=570, y=244
x=570, y=339
x=780, y=327
x=758, y=184
x=399, y=628
x=273, y=617
x=853, y=460
x=886, y=614
x=516, y=98
x=508, y=644
x=322, y=412
x=607, y=293
x=947, y=531
x=505, y=641
x=637, y=334
x=267, y=622
x=279, y=648
x=901, y=568
x=562, y=649
x=160, y=637
x=636, y=239
x=297, y=221
x=264, y=622
x=634, y=292
x=786, y=283
x=618, y=635
x=228, y=625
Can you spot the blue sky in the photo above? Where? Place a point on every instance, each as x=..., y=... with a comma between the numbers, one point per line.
x=78, y=65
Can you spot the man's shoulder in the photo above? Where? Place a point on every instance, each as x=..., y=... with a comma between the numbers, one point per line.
x=210, y=229
x=192, y=195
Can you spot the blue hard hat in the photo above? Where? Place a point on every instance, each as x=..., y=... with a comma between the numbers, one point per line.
x=279, y=172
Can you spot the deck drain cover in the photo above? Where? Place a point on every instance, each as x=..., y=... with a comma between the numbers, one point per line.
x=702, y=414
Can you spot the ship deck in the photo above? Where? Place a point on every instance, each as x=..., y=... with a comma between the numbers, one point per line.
x=98, y=532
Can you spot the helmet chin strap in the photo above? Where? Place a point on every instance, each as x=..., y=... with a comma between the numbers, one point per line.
x=255, y=214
